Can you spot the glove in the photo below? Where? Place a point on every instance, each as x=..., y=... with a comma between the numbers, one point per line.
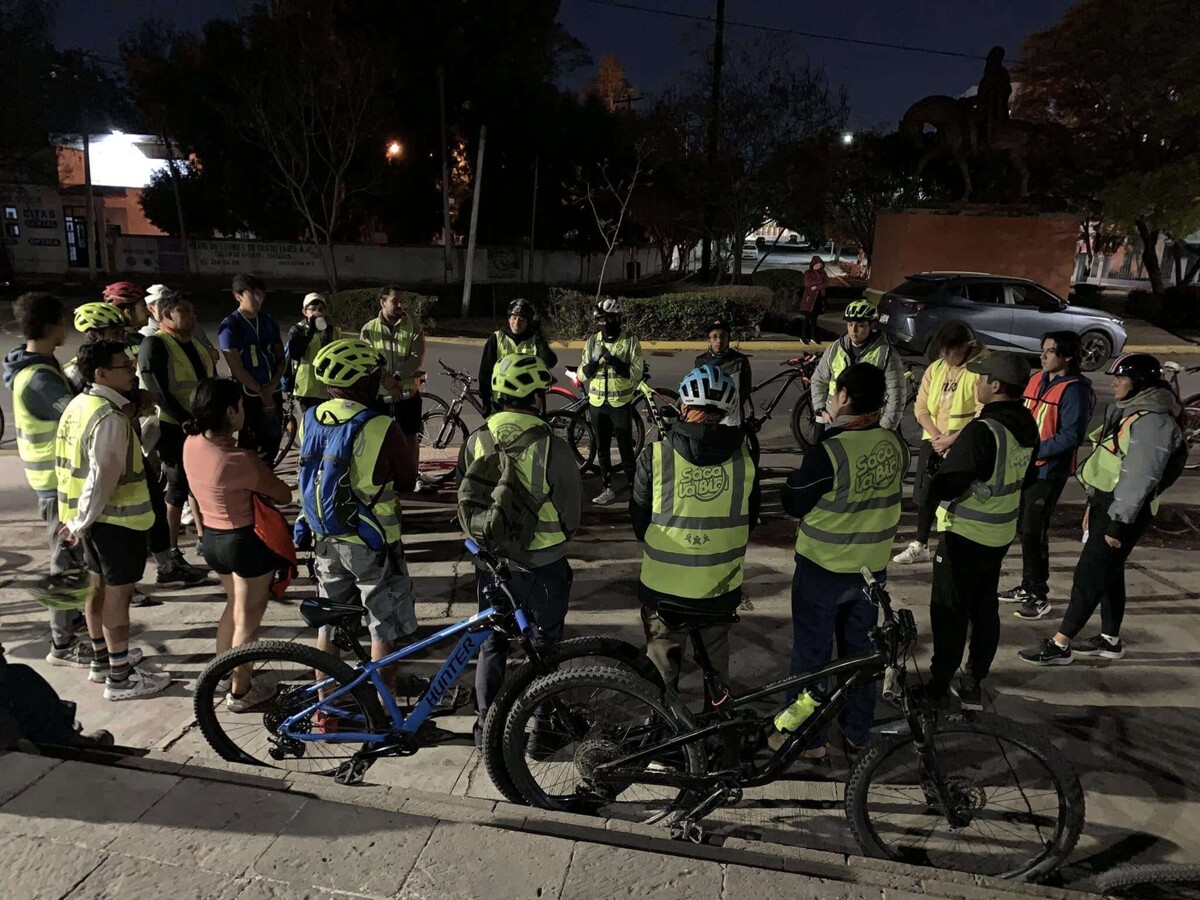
x=589, y=369
x=302, y=535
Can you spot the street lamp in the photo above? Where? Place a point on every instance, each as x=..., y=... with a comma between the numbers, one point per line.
x=395, y=150
x=847, y=138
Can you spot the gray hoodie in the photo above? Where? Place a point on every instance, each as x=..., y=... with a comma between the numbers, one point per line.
x=48, y=393
x=893, y=403
x=1152, y=440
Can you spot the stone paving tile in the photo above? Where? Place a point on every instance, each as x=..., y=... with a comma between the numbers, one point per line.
x=601, y=873
x=58, y=808
x=36, y=869
x=762, y=884
x=346, y=848
x=19, y=770
x=120, y=877
x=215, y=827
x=261, y=889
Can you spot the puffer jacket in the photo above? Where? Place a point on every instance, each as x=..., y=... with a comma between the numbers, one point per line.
x=893, y=401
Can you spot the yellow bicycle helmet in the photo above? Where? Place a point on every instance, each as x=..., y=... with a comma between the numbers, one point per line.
x=97, y=317
x=860, y=311
x=518, y=376
x=345, y=362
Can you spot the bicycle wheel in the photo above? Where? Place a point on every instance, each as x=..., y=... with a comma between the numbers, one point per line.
x=804, y=422
x=1191, y=430
x=287, y=441
x=442, y=437
x=251, y=738
x=585, y=717
x=565, y=655
x=574, y=428
x=1019, y=798
x=1159, y=881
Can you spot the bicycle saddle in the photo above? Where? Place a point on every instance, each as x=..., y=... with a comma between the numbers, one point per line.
x=318, y=612
x=688, y=619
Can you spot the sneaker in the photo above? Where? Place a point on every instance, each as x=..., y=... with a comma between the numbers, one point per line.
x=224, y=686
x=1047, y=653
x=259, y=692
x=181, y=573
x=138, y=684
x=606, y=497
x=1016, y=595
x=968, y=692
x=916, y=552
x=1033, y=608
x=98, y=673
x=1100, y=646
x=79, y=655
x=142, y=600
x=187, y=518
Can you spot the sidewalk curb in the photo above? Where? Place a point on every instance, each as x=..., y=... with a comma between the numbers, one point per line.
x=820, y=864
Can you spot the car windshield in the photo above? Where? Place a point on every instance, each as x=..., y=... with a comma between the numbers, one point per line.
x=917, y=288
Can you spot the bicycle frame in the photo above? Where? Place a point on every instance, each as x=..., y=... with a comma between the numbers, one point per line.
x=791, y=376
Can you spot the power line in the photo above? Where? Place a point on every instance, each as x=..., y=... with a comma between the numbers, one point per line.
x=617, y=4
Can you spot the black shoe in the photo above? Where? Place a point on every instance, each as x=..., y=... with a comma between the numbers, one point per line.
x=142, y=600
x=1100, y=646
x=1015, y=595
x=969, y=692
x=1047, y=653
x=544, y=743
x=1033, y=608
x=181, y=573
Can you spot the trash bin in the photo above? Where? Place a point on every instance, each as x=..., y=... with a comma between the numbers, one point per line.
x=633, y=270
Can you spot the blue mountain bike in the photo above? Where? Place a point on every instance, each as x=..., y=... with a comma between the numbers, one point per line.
x=321, y=716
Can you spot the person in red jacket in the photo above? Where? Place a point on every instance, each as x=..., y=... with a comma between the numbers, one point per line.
x=812, y=301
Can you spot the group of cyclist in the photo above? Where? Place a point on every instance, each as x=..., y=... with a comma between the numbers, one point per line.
x=999, y=443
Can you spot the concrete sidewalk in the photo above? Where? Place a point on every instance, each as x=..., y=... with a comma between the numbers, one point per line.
x=142, y=829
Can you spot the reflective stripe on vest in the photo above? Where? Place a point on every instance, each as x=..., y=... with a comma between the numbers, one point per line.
x=183, y=378
x=1043, y=406
x=306, y=379
x=699, y=525
x=35, y=437
x=840, y=360
x=396, y=347
x=987, y=513
x=854, y=522
x=532, y=467
x=605, y=386
x=506, y=346
x=962, y=405
x=129, y=506
x=368, y=445
x=1102, y=470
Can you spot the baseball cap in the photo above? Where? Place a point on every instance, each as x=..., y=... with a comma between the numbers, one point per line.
x=1008, y=368
x=246, y=283
x=313, y=297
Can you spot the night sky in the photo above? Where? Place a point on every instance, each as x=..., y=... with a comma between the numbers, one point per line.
x=881, y=83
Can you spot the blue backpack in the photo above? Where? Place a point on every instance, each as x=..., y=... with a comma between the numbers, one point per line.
x=331, y=507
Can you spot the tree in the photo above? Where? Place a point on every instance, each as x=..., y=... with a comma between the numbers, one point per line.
x=1169, y=197
x=607, y=195
x=610, y=84
x=1133, y=121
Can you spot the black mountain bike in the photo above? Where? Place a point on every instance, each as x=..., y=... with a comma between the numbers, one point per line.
x=982, y=794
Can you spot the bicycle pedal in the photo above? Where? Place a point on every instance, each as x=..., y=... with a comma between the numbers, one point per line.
x=687, y=831
x=352, y=772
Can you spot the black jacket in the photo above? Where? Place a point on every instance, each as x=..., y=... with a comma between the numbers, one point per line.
x=491, y=351
x=734, y=364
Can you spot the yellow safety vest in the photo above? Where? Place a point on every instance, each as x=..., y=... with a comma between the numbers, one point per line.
x=129, y=506
x=306, y=379
x=1102, y=470
x=699, y=525
x=506, y=346
x=396, y=347
x=854, y=522
x=963, y=405
x=605, y=386
x=368, y=444
x=35, y=437
x=532, y=466
x=840, y=360
x=183, y=379
x=987, y=513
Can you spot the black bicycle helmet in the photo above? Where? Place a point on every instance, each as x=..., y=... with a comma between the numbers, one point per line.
x=1142, y=369
x=525, y=309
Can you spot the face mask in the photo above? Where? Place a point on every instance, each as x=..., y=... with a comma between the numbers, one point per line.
x=611, y=329
x=320, y=324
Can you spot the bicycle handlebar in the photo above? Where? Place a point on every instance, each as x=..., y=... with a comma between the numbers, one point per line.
x=456, y=374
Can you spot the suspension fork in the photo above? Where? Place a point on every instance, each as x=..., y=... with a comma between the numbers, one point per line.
x=921, y=724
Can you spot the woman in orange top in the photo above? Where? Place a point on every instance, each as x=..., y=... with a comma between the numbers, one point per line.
x=224, y=479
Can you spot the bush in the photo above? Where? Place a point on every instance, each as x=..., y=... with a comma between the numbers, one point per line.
x=352, y=309
x=682, y=316
x=786, y=287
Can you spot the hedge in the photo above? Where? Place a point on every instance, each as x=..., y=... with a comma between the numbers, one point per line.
x=681, y=316
x=352, y=309
x=786, y=287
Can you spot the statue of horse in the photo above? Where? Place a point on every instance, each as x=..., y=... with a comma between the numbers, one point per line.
x=955, y=122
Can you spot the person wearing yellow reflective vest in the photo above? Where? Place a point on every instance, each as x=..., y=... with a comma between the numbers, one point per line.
x=398, y=338
x=847, y=496
x=104, y=504
x=305, y=340
x=40, y=395
x=976, y=494
x=355, y=457
x=944, y=406
x=546, y=467
x=171, y=364
x=1138, y=452
x=520, y=336
x=612, y=367
x=860, y=343
x=695, y=498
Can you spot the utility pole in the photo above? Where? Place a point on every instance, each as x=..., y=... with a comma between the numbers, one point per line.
x=470, y=269
x=450, y=272
x=533, y=214
x=714, y=133
x=89, y=211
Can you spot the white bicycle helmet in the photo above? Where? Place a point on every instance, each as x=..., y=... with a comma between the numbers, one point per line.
x=609, y=306
x=709, y=386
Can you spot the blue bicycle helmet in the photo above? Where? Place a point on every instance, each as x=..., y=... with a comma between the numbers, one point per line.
x=708, y=386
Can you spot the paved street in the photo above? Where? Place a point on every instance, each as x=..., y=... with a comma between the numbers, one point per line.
x=1130, y=726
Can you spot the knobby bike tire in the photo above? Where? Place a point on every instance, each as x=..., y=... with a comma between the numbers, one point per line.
x=1140, y=881
x=204, y=702
x=1070, y=794
x=803, y=416
x=433, y=421
x=621, y=653
x=665, y=706
x=574, y=428
x=1191, y=422
x=290, y=426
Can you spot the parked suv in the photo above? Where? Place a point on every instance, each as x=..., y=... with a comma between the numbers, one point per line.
x=1005, y=313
